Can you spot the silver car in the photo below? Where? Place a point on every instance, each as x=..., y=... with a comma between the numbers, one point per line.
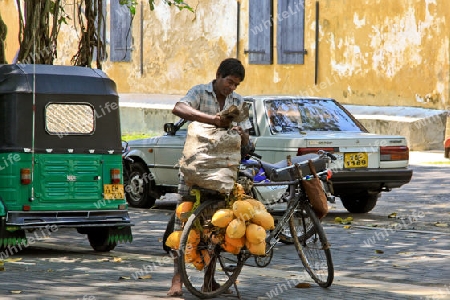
x=367, y=164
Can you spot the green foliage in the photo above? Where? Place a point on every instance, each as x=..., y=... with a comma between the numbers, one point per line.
x=131, y=4
x=177, y=3
x=138, y=136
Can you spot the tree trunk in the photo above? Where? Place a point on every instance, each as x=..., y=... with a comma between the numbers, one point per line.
x=37, y=40
x=3, y=31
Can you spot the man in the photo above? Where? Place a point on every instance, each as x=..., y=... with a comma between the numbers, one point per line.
x=202, y=103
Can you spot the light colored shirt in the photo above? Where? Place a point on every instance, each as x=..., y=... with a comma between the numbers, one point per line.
x=203, y=98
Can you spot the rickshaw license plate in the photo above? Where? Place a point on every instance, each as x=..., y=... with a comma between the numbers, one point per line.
x=356, y=160
x=113, y=191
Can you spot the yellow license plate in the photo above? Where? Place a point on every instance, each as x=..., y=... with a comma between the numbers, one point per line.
x=113, y=191
x=356, y=160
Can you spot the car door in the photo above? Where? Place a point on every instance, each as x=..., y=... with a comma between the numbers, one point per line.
x=168, y=152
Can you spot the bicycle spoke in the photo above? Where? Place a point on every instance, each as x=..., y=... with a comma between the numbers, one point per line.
x=312, y=246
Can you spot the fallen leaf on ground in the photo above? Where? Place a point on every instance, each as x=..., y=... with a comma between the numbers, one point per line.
x=438, y=224
x=103, y=259
x=124, y=277
x=16, y=292
x=345, y=221
x=303, y=285
x=145, y=277
x=347, y=227
x=117, y=259
x=379, y=251
x=393, y=215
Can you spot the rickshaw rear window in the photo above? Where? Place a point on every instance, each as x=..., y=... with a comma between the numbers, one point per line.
x=74, y=118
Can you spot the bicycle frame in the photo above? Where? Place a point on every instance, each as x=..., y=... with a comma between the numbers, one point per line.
x=292, y=200
x=295, y=197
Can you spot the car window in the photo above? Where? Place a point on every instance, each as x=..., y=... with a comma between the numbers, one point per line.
x=293, y=115
x=69, y=118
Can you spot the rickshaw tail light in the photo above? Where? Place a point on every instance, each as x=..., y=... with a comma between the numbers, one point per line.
x=115, y=176
x=25, y=176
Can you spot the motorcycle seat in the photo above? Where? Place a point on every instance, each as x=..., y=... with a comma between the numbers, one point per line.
x=274, y=174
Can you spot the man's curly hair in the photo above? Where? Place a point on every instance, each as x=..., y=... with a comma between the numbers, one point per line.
x=231, y=66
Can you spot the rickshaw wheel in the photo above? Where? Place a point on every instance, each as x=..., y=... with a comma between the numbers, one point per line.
x=99, y=240
x=139, y=185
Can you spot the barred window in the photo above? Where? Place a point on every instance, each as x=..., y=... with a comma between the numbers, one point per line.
x=73, y=118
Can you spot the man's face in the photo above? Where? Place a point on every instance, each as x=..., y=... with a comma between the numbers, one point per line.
x=227, y=85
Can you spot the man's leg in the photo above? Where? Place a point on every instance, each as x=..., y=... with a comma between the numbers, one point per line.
x=177, y=284
x=176, y=288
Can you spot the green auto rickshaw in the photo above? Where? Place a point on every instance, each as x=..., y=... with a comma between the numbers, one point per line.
x=60, y=156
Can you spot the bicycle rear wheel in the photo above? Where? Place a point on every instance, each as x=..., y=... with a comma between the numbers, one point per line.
x=301, y=227
x=312, y=245
x=220, y=268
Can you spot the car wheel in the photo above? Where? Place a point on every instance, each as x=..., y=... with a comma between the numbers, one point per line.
x=137, y=190
x=362, y=202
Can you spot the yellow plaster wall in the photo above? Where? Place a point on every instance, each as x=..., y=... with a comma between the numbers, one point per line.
x=371, y=52
x=386, y=52
x=180, y=48
x=10, y=16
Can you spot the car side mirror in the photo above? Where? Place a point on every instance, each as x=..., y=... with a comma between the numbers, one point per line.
x=169, y=128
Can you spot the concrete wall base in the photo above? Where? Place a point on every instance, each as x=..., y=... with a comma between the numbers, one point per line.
x=424, y=129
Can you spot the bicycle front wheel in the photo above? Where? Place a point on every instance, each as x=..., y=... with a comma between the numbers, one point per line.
x=211, y=271
x=312, y=245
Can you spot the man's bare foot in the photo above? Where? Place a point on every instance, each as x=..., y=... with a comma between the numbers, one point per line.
x=175, y=289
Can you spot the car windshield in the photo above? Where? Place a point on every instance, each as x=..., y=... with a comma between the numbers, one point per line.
x=294, y=115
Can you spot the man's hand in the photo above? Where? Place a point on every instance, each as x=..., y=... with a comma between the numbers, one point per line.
x=222, y=121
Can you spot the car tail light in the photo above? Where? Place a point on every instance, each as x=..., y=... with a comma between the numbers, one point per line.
x=115, y=176
x=389, y=153
x=329, y=174
x=25, y=176
x=305, y=150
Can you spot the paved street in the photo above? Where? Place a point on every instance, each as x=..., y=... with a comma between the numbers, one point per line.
x=398, y=251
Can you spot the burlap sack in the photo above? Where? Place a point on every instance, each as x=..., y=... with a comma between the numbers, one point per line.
x=211, y=157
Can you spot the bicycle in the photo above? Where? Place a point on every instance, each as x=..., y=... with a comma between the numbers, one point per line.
x=306, y=233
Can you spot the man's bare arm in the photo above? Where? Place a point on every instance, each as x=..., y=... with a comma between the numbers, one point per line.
x=186, y=112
